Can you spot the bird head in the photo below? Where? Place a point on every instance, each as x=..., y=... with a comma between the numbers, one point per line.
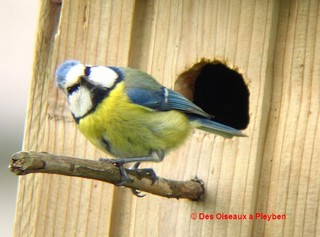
x=84, y=85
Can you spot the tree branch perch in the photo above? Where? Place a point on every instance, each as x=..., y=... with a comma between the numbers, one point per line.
x=26, y=162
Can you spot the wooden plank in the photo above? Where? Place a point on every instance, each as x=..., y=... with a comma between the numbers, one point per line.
x=88, y=32
x=290, y=179
x=47, y=202
x=29, y=191
x=182, y=32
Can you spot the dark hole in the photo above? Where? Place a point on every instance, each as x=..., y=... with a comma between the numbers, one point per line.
x=218, y=90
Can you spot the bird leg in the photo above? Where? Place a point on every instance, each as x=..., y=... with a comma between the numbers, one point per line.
x=155, y=156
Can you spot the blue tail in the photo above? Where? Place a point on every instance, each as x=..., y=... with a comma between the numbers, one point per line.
x=215, y=127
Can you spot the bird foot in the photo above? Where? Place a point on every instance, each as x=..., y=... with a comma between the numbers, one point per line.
x=145, y=172
x=124, y=178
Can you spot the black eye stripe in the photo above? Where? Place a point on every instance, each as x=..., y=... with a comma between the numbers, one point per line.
x=87, y=71
x=73, y=88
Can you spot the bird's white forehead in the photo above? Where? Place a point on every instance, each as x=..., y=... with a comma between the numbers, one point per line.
x=103, y=76
x=74, y=74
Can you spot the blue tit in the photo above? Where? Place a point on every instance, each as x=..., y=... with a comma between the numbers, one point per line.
x=128, y=114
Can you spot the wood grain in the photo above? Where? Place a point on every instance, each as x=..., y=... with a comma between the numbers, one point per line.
x=289, y=180
x=275, y=44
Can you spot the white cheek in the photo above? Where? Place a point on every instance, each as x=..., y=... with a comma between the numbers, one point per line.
x=103, y=76
x=80, y=102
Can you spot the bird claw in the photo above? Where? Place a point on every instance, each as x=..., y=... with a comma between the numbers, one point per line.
x=143, y=172
x=124, y=176
x=137, y=193
x=147, y=172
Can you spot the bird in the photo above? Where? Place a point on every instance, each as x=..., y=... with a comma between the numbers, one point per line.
x=129, y=115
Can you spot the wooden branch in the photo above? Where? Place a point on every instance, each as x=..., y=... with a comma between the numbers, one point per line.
x=40, y=162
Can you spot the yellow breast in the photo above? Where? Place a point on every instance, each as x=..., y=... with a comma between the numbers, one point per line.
x=125, y=129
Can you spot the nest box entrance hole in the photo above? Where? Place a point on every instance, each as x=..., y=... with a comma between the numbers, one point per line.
x=219, y=90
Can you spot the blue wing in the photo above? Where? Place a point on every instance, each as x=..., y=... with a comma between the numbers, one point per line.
x=144, y=90
x=151, y=99
x=164, y=100
x=179, y=102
